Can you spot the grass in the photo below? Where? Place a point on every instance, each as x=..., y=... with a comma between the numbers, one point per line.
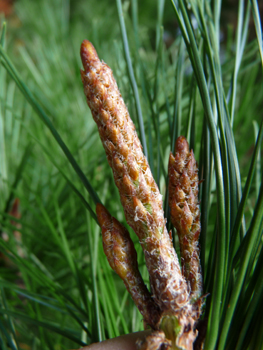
x=56, y=288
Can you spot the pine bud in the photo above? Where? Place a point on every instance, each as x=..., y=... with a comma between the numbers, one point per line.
x=122, y=257
x=140, y=196
x=185, y=213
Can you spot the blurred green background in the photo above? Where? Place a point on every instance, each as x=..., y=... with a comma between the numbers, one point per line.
x=56, y=288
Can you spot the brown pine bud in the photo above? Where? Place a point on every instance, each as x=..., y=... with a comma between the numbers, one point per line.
x=140, y=196
x=185, y=213
x=122, y=257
